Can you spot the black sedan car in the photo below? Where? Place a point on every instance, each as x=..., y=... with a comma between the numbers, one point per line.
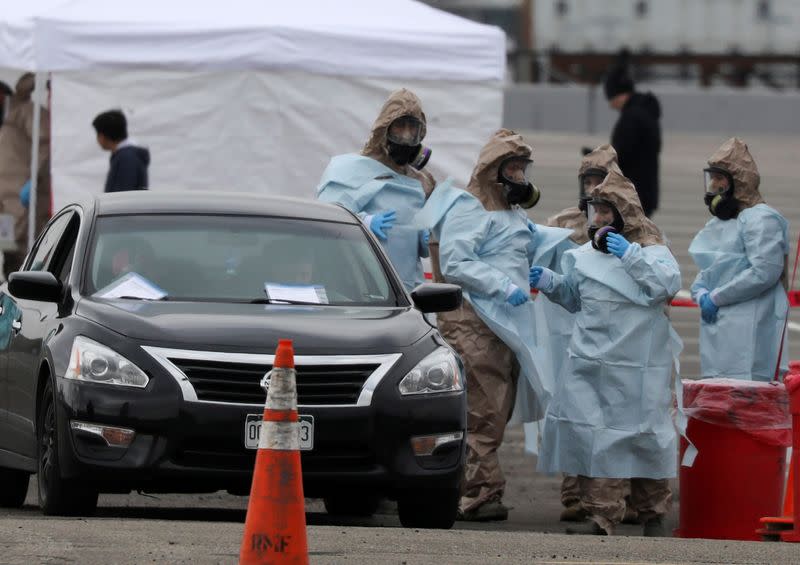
x=134, y=339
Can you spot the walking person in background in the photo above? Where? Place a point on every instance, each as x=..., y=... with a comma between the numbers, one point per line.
x=128, y=162
x=637, y=134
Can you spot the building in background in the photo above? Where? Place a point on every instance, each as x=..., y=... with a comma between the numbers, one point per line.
x=706, y=42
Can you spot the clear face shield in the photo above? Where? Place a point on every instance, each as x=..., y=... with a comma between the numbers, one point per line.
x=516, y=171
x=590, y=179
x=603, y=220
x=599, y=213
x=405, y=130
x=718, y=196
x=716, y=181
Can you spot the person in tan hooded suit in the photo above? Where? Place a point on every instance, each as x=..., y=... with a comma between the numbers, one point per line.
x=385, y=184
x=741, y=254
x=15, y=167
x=487, y=249
x=609, y=419
x=593, y=169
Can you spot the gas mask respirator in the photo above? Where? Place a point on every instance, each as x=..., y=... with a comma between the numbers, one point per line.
x=720, y=203
x=404, y=143
x=513, y=177
x=598, y=234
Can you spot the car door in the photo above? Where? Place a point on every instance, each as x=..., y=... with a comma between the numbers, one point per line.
x=6, y=317
x=30, y=322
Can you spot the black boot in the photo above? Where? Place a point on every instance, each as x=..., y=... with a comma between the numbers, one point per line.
x=655, y=528
x=590, y=528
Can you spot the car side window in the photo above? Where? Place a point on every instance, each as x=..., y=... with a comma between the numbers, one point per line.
x=48, y=243
x=61, y=260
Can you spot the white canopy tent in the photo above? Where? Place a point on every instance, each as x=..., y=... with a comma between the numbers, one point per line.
x=248, y=95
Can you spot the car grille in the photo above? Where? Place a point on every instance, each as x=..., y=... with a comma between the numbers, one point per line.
x=222, y=381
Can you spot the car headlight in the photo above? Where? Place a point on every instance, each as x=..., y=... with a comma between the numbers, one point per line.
x=92, y=362
x=438, y=372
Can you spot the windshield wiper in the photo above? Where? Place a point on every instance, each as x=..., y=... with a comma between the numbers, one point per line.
x=284, y=301
x=127, y=297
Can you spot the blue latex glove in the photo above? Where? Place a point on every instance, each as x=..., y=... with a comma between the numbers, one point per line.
x=426, y=236
x=517, y=297
x=381, y=223
x=531, y=227
x=25, y=194
x=708, y=310
x=534, y=276
x=617, y=244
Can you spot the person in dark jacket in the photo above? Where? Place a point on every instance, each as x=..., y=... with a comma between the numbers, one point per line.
x=637, y=134
x=129, y=162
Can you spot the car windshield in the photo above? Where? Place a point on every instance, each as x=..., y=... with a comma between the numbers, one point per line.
x=235, y=259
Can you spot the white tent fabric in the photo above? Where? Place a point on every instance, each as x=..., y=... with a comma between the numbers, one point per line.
x=346, y=37
x=252, y=95
x=17, y=50
x=264, y=131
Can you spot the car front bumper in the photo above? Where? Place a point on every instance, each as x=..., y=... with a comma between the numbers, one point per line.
x=194, y=446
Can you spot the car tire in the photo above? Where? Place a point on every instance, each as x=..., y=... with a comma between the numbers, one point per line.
x=13, y=487
x=353, y=504
x=434, y=509
x=57, y=497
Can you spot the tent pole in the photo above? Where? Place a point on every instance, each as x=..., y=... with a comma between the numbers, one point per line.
x=37, y=118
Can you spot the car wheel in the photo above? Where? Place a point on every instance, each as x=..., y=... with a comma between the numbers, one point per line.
x=13, y=488
x=57, y=496
x=354, y=504
x=428, y=508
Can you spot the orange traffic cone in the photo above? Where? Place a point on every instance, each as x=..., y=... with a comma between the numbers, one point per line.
x=275, y=527
x=775, y=528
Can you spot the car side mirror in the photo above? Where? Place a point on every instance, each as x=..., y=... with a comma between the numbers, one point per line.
x=436, y=297
x=35, y=285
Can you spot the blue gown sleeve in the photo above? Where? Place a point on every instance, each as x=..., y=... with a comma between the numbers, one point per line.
x=765, y=244
x=698, y=285
x=337, y=193
x=460, y=240
x=655, y=270
x=563, y=289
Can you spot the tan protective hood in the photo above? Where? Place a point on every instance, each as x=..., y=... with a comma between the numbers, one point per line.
x=483, y=184
x=620, y=192
x=24, y=87
x=572, y=219
x=400, y=103
x=603, y=157
x=734, y=157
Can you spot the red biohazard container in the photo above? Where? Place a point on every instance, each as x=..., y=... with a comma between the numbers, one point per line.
x=741, y=430
x=793, y=387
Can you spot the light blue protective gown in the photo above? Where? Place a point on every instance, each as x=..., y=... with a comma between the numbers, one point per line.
x=553, y=324
x=741, y=262
x=483, y=252
x=366, y=187
x=610, y=415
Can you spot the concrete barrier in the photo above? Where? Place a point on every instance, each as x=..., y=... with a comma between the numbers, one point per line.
x=582, y=109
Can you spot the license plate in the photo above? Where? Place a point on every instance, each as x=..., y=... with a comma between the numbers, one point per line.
x=252, y=431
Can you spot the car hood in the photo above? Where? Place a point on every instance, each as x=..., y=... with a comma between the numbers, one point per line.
x=257, y=327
